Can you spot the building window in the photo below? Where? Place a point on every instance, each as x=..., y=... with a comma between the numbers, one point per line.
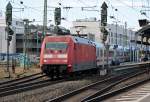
x=18, y=23
x=112, y=40
x=91, y=37
x=111, y=34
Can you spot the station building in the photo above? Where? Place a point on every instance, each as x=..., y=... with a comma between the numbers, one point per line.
x=118, y=35
x=91, y=27
x=33, y=39
x=18, y=28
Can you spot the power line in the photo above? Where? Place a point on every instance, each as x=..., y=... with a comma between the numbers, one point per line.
x=28, y=7
x=87, y=5
x=124, y=17
x=83, y=2
x=45, y=19
x=116, y=9
x=13, y=14
x=131, y=7
x=128, y=6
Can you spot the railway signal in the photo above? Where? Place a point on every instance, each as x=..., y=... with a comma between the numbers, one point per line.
x=104, y=14
x=104, y=31
x=57, y=15
x=143, y=22
x=104, y=21
x=9, y=14
x=9, y=30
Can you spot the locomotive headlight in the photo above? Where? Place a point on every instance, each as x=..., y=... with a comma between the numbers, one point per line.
x=62, y=56
x=69, y=65
x=48, y=56
x=45, y=60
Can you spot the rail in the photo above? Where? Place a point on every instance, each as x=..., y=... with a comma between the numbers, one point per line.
x=107, y=95
x=18, y=79
x=78, y=91
x=107, y=87
x=133, y=65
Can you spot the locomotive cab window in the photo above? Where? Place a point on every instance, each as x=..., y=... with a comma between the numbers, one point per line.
x=56, y=45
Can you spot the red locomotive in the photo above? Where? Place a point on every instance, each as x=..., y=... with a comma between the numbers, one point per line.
x=67, y=54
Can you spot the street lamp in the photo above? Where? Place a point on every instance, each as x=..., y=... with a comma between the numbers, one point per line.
x=132, y=51
x=26, y=37
x=116, y=35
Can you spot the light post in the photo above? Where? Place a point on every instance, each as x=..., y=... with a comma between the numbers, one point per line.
x=136, y=47
x=44, y=19
x=132, y=51
x=116, y=38
x=107, y=52
x=131, y=54
x=25, y=41
x=37, y=40
x=9, y=31
x=38, y=35
x=116, y=44
x=141, y=46
x=0, y=43
x=105, y=33
x=107, y=48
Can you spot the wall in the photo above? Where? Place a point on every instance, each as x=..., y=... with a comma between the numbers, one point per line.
x=93, y=27
x=17, y=28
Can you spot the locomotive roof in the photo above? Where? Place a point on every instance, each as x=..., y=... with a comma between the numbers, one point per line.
x=77, y=39
x=99, y=45
x=82, y=40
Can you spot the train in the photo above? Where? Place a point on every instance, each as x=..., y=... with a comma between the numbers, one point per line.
x=63, y=55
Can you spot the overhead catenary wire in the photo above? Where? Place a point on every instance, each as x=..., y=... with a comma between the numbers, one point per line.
x=83, y=4
x=137, y=11
x=13, y=14
x=134, y=9
x=28, y=7
x=113, y=10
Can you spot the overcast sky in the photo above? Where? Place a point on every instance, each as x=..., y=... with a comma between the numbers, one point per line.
x=33, y=9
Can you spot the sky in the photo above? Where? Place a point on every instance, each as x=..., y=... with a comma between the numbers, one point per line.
x=127, y=10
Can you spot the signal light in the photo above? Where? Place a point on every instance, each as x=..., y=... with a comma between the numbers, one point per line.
x=9, y=38
x=10, y=32
x=57, y=15
x=104, y=14
x=9, y=14
x=143, y=22
x=105, y=33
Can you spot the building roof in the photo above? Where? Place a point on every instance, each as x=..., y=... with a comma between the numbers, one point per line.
x=145, y=31
x=82, y=40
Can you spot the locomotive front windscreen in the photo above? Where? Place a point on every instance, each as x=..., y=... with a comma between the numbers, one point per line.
x=56, y=45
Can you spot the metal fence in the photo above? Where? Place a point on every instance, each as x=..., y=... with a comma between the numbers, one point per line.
x=19, y=59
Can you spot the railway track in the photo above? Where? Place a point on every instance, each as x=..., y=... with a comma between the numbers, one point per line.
x=21, y=82
x=19, y=79
x=34, y=82
x=116, y=91
x=26, y=84
x=26, y=87
x=8, y=86
x=90, y=91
